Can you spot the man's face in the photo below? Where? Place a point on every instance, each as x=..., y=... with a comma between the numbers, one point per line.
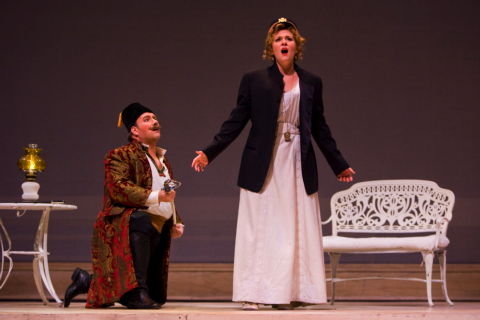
x=146, y=128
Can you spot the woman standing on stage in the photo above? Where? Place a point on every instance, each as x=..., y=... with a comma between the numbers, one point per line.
x=278, y=249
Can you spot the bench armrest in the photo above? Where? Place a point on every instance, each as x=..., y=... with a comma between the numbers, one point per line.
x=327, y=221
x=441, y=225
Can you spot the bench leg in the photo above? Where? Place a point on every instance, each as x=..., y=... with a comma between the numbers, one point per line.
x=334, y=260
x=428, y=261
x=442, y=261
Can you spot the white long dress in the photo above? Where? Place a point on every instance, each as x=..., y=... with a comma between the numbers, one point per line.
x=278, y=249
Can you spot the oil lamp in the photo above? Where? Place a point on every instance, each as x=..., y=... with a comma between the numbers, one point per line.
x=31, y=163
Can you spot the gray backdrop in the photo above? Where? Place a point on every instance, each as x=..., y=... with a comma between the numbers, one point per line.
x=401, y=91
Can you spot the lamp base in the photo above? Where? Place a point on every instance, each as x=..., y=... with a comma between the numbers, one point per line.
x=30, y=190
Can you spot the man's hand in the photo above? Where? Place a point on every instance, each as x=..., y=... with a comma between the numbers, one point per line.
x=166, y=196
x=346, y=175
x=200, y=162
x=177, y=230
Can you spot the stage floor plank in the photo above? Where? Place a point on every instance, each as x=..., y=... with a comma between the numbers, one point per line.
x=231, y=311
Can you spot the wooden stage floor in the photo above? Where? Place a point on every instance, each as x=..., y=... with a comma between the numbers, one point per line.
x=232, y=311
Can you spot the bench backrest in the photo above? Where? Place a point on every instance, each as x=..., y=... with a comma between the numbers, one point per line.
x=391, y=206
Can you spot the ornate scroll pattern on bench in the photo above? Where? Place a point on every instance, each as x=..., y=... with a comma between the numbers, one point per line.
x=391, y=208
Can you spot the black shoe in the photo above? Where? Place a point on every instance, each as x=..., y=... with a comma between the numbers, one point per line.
x=80, y=284
x=138, y=298
x=283, y=306
x=297, y=304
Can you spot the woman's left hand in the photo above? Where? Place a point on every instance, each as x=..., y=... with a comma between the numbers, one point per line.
x=346, y=175
x=177, y=230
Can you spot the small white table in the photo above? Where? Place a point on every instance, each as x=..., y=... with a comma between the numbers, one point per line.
x=40, y=253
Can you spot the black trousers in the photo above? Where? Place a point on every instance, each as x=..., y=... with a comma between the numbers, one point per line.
x=150, y=250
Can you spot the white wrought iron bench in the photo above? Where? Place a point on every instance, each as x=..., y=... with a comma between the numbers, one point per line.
x=414, y=213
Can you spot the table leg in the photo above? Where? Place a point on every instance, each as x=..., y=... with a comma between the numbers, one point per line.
x=37, y=278
x=5, y=254
x=40, y=262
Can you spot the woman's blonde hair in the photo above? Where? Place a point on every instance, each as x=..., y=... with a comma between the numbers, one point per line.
x=283, y=24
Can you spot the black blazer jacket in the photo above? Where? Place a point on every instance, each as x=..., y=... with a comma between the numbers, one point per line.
x=258, y=101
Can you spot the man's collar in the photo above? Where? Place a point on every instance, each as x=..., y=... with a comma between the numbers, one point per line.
x=160, y=151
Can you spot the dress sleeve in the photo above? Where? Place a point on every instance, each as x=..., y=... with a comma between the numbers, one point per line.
x=152, y=199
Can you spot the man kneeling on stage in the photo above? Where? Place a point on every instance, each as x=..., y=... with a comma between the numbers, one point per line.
x=131, y=237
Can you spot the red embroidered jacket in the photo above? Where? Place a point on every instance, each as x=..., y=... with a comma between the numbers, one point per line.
x=128, y=182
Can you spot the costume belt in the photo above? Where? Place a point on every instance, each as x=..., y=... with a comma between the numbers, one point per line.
x=288, y=130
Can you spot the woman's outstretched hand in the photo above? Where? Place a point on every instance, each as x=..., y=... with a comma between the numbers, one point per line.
x=200, y=162
x=346, y=175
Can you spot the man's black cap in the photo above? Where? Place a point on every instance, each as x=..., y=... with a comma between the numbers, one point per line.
x=130, y=114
